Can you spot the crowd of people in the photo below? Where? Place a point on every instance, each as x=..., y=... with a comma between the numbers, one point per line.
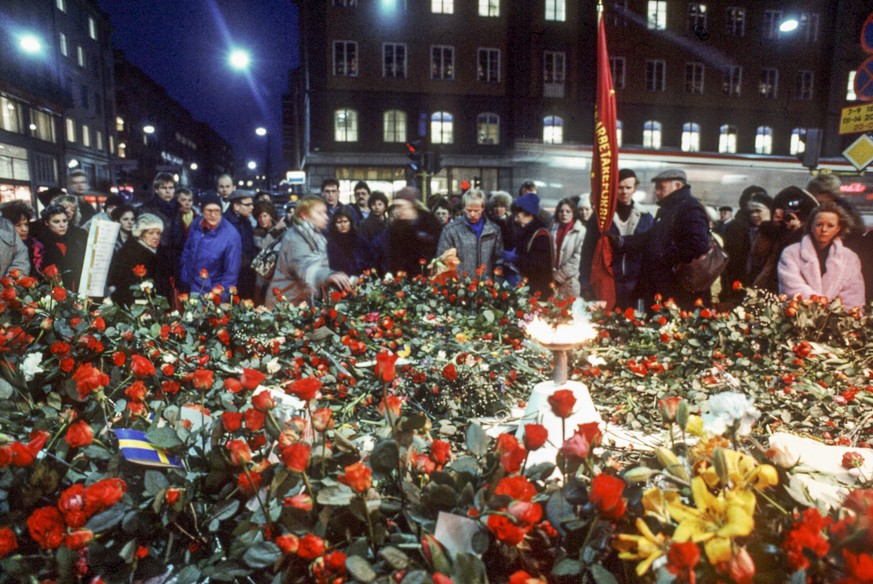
x=806, y=241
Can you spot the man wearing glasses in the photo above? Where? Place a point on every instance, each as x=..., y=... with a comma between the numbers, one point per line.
x=212, y=251
x=239, y=215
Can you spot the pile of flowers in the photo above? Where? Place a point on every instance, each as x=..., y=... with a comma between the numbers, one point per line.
x=340, y=442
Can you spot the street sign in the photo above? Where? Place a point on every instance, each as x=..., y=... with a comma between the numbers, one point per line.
x=295, y=177
x=867, y=35
x=860, y=152
x=864, y=80
x=856, y=119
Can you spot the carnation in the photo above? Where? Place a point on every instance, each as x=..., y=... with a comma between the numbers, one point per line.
x=731, y=410
x=32, y=366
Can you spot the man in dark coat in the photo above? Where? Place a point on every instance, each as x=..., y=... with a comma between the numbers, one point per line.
x=680, y=234
x=239, y=214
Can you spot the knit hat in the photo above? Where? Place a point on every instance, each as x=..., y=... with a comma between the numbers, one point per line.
x=210, y=199
x=528, y=203
x=795, y=200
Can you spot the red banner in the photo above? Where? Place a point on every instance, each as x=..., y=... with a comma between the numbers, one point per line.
x=604, y=172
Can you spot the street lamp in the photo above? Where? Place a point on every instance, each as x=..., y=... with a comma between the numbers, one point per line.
x=30, y=44
x=148, y=129
x=239, y=59
x=788, y=25
x=252, y=165
x=193, y=166
x=262, y=131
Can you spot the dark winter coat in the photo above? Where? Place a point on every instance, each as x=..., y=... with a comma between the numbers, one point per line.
x=349, y=253
x=535, y=257
x=407, y=243
x=67, y=253
x=121, y=277
x=246, y=281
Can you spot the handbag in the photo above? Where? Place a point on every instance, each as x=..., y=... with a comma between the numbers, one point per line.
x=700, y=273
x=264, y=264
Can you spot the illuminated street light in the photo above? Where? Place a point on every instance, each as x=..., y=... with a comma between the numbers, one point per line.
x=239, y=59
x=30, y=44
x=252, y=165
x=73, y=163
x=788, y=25
x=261, y=131
x=148, y=129
x=193, y=166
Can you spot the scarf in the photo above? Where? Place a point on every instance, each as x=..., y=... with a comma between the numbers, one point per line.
x=562, y=231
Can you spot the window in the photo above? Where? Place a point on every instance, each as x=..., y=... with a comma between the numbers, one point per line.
x=122, y=150
x=71, y=130
x=11, y=118
x=45, y=168
x=655, y=75
x=652, y=134
x=768, y=87
x=441, y=128
x=850, y=87
x=345, y=58
x=656, y=15
x=394, y=126
x=618, y=133
x=554, y=73
x=345, y=3
x=86, y=136
x=809, y=27
x=489, y=7
x=694, y=78
x=84, y=96
x=697, y=17
x=99, y=136
x=770, y=26
x=553, y=130
x=442, y=6
x=62, y=44
x=489, y=65
x=119, y=124
x=394, y=60
x=61, y=4
x=797, y=146
x=735, y=22
x=732, y=79
x=617, y=66
x=92, y=28
x=442, y=62
x=690, y=137
x=13, y=163
x=488, y=129
x=80, y=56
x=111, y=144
x=617, y=16
x=764, y=140
x=804, y=85
x=556, y=10
x=727, y=139
x=345, y=125
x=44, y=126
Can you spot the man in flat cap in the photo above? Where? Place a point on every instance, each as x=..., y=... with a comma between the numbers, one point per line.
x=239, y=215
x=680, y=234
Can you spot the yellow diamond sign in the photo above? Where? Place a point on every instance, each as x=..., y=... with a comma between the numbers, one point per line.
x=860, y=152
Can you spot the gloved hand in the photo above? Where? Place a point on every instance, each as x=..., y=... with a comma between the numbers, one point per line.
x=509, y=256
x=614, y=239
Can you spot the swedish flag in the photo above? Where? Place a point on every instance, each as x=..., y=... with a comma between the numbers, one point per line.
x=136, y=448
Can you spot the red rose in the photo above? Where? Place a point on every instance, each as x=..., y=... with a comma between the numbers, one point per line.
x=249, y=484
x=682, y=557
x=59, y=294
x=517, y=488
x=301, y=501
x=263, y=401
x=67, y=364
x=79, y=434
x=394, y=404
x=288, y=544
x=46, y=527
x=137, y=391
x=60, y=348
x=505, y=530
x=535, y=436
x=50, y=271
x=251, y=378
x=606, y=491
x=139, y=271
x=591, y=432
x=506, y=442
x=449, y=372
x=27, y=282
x=322, y=419
x=384, y=369
x=668, y=407
x=233, y=385
x=439, y=578
x=239, y=452
x=88, y=378
x=440, y=451
x=311, y=547
x=104, y=494
x=525, y=512
x=8, y=542
x=562, y=402
x=522, y=577
x=358, y=477
x=79, y=539
x=118, y=358
x=512, y=459
x=254, y=419
x=172, y=496
x=203, y=379
x=232, y=421
x=99, y=324
x=859, y=567
x=71, y=504
x=204, y=274
x=141, y=367
x=576, y=447
x=305, y=388
x=423, y=463
x=296, y=456
x=852, y=459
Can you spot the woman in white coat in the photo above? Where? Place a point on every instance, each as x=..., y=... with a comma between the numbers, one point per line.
x=820, y=264
x=568, y=233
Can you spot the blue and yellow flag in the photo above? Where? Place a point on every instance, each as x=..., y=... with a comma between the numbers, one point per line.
x=136, y=448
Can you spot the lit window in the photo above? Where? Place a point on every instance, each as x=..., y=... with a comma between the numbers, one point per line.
x=652, y=134
x=697, y=17
x=553, y=130
x=111, y=145
x=92, y=28
x=690, y=137
x=804, y=85
x=554, y=73
x=735, y=22
x=86, y=136
x=489, y=7
x=732, y=80
x=442, y=62
x=556, y=10
x=442, y=6
x=797, y=146
x=99, y=136
x=394, y=60
x=71, y=130
x=489, y=65
x=618, y=133
x=809, y=27
x=727, y=139
x=618, y=15
x=119, y=124
x=62, y=44
x=656, y=73
x=488, y=129
x=768, y=88
x=44, y=126
x=694, y=78
x=394, y=126
x=61, y=4
x=764, y=140
x=345, y=58
x=770, y=26
x=617, y=66
x=656, y=15
x=11, y=115
x=122, y=150
x=442, y=128
x=345, y=125
x=80, y=56
x=850, y=87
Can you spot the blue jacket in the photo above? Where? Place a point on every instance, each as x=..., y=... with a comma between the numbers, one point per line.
x=218, y=251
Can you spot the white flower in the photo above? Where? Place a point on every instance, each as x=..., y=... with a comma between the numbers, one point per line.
x=389, y=277
x=596, y=360
x=147, y=286
x=730, y=410
x=273, y=366
x=31, y=366
x=168, y=358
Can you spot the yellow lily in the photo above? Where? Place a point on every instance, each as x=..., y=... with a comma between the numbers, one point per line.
x=647, y=547
x=714, y=520
x=740, y=470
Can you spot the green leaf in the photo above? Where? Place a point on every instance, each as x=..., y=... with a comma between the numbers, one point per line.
x=360, y=569
x=385, y=457
x=6, y=389
x=394, y=557
x=477, y=439
x=567, y=567
x=155, y=482
x=261, y=554
x=469, y=569
x=188, y=575
x=602, y=575
x=107, y=520
x=338, y=495
x=163, y=437
x=226, y=509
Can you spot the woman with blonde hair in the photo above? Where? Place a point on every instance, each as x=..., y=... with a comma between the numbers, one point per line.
x=137, y=260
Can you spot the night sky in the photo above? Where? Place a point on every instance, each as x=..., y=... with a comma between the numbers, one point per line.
x=184, y=45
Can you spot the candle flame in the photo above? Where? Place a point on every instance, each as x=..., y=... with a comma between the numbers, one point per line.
x=573, y=333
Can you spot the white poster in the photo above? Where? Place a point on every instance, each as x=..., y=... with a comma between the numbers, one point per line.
x=98, y=255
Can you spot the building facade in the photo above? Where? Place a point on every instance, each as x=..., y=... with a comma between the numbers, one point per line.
x=500, y=91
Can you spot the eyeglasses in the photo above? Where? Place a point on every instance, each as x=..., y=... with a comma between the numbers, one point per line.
x=246, y=204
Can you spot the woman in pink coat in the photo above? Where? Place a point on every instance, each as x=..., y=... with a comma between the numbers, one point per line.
x=820, y=265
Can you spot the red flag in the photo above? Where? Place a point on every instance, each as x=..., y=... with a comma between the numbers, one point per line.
x=604, y=172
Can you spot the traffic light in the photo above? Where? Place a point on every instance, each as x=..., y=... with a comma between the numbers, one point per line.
x=812, y=147
x=416, y=156
x=477, y=182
